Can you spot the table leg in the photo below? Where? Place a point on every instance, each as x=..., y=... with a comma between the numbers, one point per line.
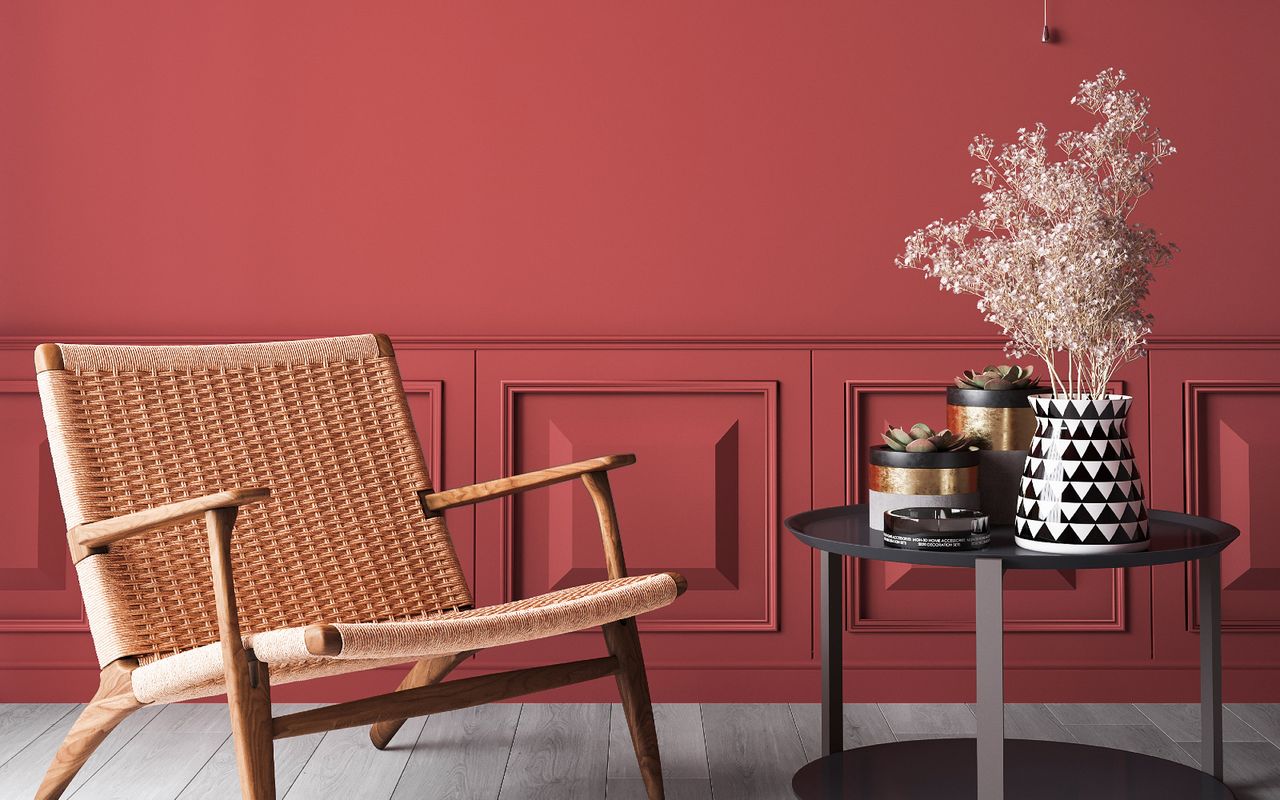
x=989, y=617
x=1211, y=665
x=829, y=600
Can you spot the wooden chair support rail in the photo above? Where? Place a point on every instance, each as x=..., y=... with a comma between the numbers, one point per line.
x=440, y=697
x=104, y=532
x=466, y=495
x=427, y=672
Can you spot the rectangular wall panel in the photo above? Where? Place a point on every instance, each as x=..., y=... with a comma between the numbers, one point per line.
x=1215, y=447
x=722, y=455
x=38, y=589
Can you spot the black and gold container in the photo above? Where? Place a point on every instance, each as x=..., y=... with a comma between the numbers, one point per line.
x=897, y=479
x=1001, y=422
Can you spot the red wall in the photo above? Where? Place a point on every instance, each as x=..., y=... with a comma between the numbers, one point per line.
x=663, y=227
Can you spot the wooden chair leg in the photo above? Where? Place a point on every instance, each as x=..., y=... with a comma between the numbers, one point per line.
x=250, y=706
x=624, y=643
x=110, y=705
x=248, y=680
x=426, y=672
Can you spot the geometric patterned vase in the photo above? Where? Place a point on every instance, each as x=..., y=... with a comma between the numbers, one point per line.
x=1080, y=489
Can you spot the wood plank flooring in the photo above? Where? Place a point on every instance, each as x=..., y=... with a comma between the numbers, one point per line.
x=565, y=751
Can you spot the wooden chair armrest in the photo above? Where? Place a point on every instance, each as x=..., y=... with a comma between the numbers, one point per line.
x=466, y=495
x=104, y=532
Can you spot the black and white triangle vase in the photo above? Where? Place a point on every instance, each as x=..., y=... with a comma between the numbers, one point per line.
x=1080, y=491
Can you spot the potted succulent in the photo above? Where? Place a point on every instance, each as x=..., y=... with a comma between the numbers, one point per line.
x=1056, y=261
x=991, y=408
x=920, y=467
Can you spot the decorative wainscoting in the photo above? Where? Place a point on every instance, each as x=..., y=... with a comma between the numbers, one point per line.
x=706, y=497
x=1221, y=465
x=732, y=436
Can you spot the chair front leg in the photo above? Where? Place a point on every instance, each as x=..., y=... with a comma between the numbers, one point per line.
x=633, y=685
x=426, y=672
x=250, y=705
x=624, y=643
x=248, y=680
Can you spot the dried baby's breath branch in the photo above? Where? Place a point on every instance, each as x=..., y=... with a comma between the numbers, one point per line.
x=1051, y=255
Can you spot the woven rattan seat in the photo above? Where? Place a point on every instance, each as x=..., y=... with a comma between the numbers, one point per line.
x=248, y=514
x=199, y=672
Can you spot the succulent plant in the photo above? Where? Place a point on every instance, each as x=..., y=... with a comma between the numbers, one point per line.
x=999, y=377
x=920, y=438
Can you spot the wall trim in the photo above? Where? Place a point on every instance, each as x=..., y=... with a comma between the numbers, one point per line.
x=419, y=341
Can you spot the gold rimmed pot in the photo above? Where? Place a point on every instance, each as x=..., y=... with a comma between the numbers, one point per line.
x=1002, y=422
x=896, y=479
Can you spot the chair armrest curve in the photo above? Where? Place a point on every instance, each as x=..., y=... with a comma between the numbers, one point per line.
x=501, y=487
x=104, y=532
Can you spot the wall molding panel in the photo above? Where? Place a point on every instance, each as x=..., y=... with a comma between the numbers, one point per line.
x=36, y=576
x=733, y=434
x=434, y=393
x=1239, y=481
x=722, y=573
x=1210, y=455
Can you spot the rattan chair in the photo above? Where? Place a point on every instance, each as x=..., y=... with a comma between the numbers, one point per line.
x=341, y=560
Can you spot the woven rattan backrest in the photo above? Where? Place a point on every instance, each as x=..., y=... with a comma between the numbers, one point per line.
x=323, y=423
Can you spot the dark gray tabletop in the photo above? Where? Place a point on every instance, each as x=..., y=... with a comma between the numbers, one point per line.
x=1174, y=537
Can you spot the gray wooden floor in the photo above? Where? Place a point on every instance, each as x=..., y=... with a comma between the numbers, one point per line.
x=563, y=751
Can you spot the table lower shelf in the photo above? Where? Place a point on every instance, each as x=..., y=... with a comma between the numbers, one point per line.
x=947, y=768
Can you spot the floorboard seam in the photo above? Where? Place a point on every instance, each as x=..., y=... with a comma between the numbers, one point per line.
x=887, y=726
x=1242, y=721
x=1065, y=727
x=706, y=755
x=285, y=790
x=285, y=794
x=706, y=749
x=118, y=751
x=511, y=748
x=791, y=712
x=196, y=774
x=1152, y=721
x=608, y=753
x=425, y=722
x=405, y=765
x=75, y=709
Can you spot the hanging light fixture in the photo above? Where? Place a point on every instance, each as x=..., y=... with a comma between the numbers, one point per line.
x=1045, y=35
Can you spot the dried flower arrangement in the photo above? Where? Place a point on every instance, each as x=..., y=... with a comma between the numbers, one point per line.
x=1051, y=255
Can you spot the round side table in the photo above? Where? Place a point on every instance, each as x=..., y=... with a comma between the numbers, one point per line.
x=990, y=766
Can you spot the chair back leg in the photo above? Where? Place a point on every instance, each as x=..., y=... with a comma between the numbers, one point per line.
x=426, y=672
x=113, y=702
x=624, y=642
